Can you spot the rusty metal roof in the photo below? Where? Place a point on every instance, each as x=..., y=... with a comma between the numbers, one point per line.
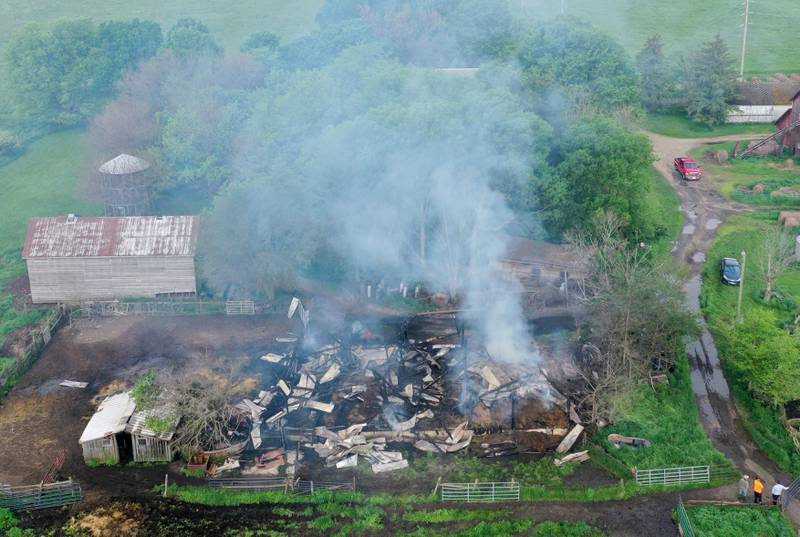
x=111, y=236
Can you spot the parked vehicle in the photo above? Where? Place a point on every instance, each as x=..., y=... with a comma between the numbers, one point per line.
x=731, y=271
x=688, y=169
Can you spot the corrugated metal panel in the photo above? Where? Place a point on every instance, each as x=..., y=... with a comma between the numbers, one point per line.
x=131, y=236
x=137, y=424
x=111, y=417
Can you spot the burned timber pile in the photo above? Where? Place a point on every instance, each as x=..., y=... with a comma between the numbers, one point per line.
x=413, y=384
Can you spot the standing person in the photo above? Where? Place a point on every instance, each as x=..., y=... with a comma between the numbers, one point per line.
x=758, y=490
x=744, y=488
x=777, y=490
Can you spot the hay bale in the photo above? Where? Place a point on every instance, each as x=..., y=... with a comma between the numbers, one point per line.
x=759, y=189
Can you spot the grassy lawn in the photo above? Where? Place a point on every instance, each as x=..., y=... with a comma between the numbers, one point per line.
x=679, y=126
x=714, y=521
x=230, y=23
x=685, y=25
x=743, y=233
x=41, y=182
x=736, y=179
x=662, y=415
x=343, y=513
x=663, y=206
x=719, y=306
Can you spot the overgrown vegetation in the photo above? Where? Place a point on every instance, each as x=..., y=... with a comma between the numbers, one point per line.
x=635, y=318
x=759, y=355
x=714, y=521
x=663, y=414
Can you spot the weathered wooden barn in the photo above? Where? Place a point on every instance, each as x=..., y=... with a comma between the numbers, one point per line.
x=72, y=259
x=117, y=431
x=104, y=436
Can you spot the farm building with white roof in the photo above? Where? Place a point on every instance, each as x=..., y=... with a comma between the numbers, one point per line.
x=73, y=259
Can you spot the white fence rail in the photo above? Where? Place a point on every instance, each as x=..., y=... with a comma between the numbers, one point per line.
x=480, y=492
x=673, y=476
x=240, y=307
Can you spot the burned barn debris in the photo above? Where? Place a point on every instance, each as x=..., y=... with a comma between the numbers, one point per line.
x=355, y=396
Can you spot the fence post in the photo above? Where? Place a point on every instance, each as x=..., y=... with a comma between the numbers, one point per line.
x=312, y=487
x=166, y=484
x=354, y=484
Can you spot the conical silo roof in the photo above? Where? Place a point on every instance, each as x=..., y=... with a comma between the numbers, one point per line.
x=123, y=165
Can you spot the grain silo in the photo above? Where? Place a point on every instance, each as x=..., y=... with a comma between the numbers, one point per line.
x=126, y=186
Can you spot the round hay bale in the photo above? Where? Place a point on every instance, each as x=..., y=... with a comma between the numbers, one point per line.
x=721, y=157
x=758, y=189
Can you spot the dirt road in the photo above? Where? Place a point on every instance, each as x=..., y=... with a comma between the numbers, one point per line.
x=705, y=210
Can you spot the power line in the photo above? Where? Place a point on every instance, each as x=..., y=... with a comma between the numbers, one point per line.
x=744, y=37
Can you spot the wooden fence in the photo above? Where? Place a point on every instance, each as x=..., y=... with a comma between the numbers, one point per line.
x=673, y=476
x=30, y=498
x=40, y=336
x=117, y=308
x=298, y=486
x=480, y=492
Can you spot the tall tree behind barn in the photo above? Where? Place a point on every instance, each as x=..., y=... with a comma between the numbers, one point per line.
x=71, y=259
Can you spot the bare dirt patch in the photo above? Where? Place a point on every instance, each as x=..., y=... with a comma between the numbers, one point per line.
x=39, y=417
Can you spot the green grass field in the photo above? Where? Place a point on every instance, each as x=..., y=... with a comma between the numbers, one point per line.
x=736, y=178
x=679, y=126
x=229, y=22
x=684, y=25
x=664, y=207
x=743, y=233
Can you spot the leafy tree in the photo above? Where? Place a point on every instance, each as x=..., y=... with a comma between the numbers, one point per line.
x=125, y=44
x=777, y=256
x=261, y=41
x=272, y=245
x=569, y=54
x=767, y=357
x=64, y=75
x=598, y=167
x=190, y=37
x=709, y=83
x=322, y=46
x=654, y=73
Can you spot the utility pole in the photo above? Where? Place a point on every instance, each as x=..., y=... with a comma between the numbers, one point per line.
x=744, y=37
x=741, y=289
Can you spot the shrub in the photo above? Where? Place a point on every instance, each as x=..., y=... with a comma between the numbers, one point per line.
x=9, y=144
x=7, y=519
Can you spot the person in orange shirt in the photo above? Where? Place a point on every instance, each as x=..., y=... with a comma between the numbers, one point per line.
x=758, y=490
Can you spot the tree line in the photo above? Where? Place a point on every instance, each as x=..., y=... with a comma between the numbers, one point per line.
x=700, y=82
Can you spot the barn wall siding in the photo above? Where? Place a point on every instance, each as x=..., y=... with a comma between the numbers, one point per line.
x=149, y=449
x=96, y=278
x=101, y=450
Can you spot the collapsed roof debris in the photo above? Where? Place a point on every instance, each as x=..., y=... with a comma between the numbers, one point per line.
x=352, y=398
